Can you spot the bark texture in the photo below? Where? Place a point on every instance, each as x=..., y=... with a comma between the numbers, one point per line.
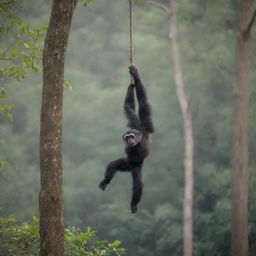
x=188, y=136
x=239, y=240
x=51, y=193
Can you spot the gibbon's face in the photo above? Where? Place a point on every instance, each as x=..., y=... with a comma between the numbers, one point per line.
x=132, y=138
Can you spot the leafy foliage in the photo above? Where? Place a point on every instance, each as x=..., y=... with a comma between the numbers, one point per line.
x=85, y=2
x=23, y=239
x=20, y=43
x=20, y=49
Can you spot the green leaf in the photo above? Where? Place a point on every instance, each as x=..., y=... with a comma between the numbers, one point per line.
x=68, y=85
x=4, y=163
x=44, y=27
x=26, y=45
x=35, y=219
x=21, y=30
x=115, y=244
x=2, y=93
x=9, y=116
x=86, y=2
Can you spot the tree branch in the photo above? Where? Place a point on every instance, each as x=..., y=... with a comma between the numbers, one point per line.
x=159, y=5
x=251, y=23
x=8, y=58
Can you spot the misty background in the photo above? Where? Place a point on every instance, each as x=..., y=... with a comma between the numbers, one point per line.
x=97, y=68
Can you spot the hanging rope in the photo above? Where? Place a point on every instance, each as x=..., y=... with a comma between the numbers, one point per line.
x=131, y=58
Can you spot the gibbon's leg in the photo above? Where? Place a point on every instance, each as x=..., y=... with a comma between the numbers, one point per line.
x=114, y=166
x=137, y=188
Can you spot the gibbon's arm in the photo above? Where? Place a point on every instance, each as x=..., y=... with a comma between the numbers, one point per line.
x=145, y=113
x=129, y=109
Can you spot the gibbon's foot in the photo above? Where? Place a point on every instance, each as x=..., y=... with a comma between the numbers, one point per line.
x=134, y=208
x=102, y=186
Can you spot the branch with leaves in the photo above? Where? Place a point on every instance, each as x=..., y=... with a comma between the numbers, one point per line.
x=20, y=51
x=159, y=5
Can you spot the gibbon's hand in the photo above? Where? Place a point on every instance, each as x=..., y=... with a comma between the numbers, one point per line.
x=134, y=71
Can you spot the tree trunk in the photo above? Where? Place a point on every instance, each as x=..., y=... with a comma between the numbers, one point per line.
x=239, y=241
x=188, y=136
x=51, y=193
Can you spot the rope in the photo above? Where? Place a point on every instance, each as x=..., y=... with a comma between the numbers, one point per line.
x=131, y=58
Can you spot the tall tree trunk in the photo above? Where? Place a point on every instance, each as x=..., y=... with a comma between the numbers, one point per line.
x=239, y=241
x=51, y=193
x=188, y=136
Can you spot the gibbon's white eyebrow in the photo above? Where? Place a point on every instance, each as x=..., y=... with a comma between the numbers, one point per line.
x=129, y=134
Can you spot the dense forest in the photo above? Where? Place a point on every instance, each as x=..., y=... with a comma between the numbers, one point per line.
x=96, y=80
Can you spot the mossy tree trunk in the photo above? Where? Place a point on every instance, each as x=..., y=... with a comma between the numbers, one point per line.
x=51, y=193
x=188, y=128
x=239, y=241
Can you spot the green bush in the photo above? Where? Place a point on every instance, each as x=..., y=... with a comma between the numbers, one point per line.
x=23, y=239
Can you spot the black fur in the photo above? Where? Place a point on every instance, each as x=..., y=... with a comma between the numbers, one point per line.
x=143, y=125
